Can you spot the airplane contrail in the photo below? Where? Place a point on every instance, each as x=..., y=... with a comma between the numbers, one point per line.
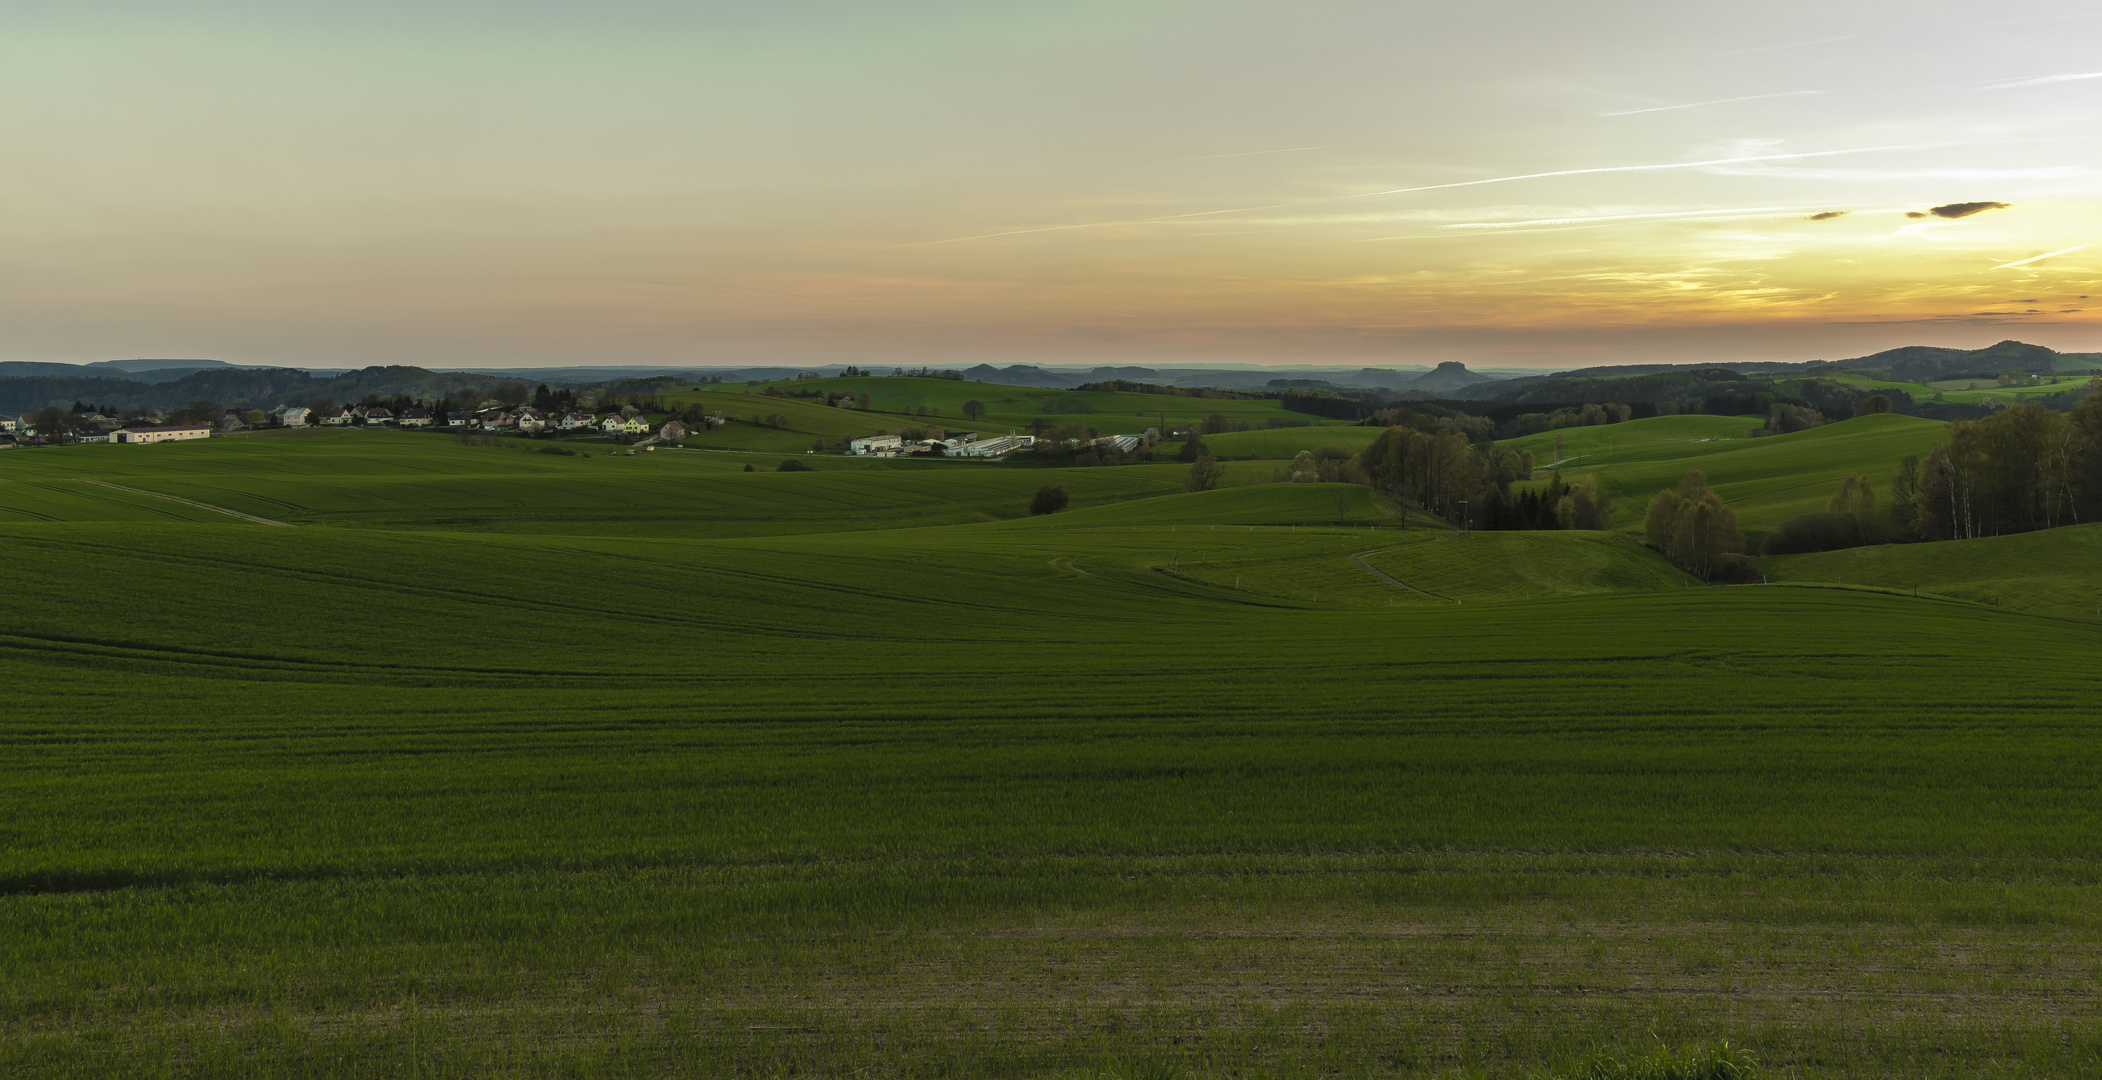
x=1717, y=101
x=1603, y=218
x=1742, y=160
x=2040, y=258
x=2044, y=81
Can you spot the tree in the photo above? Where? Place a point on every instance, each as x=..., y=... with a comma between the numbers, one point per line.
x=792, y=465
x=1050, y=499
x=1204, y=475
x=861, y=401
x=1692, y=527
x=197, y=412
x=51, y=423
x=510, y=393
x=1872, y=404
x=973, y=409
x=1192, y=449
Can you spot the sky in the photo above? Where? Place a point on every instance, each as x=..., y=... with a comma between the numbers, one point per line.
x=1508, y=184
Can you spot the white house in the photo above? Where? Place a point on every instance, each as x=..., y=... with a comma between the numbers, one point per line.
x=528, y=420
x=293, y=415
x=172, y=433
x=577, y=420
x=875, y=444
x=992, y=448
x=9, y=423
x=337, y=418
x=378, y=415
x=414, y=418
x=611, y=425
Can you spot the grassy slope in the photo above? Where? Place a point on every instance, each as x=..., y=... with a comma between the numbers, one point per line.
x=370, y=801
x=1766, y=480
x=2054, y=571
x=393, y=479
x=1958, y=390
x=893, y=398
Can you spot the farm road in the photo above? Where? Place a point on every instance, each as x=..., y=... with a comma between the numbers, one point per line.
x=191, y=502
x=1391, y=579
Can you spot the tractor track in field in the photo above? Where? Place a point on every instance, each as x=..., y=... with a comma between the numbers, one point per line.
x=1392, y=580
x=190, y=502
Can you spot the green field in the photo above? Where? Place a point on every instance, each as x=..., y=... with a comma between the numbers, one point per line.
x=895, y=401
x=2055, y=571
x=1766, y=480
x=2072, y=375
x=501, y=763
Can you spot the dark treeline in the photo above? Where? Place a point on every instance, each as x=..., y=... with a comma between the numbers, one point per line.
x=2019, y=469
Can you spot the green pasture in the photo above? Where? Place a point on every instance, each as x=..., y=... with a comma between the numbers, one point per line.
x=1283, y=444
x=2057, y=571
x=1766, y=480
x=503, y=763
x=1975, y=391
x=894, y=401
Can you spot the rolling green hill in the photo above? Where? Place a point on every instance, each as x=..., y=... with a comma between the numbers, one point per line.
x=508, y=763
x=895, y=399
x=2054, y=571
x=1766, y=480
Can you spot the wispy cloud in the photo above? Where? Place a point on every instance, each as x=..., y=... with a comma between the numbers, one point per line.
x=2044, y=81
x=2040, y=258
x=1737, y=214
x=1601, y=171
x=1717, y=101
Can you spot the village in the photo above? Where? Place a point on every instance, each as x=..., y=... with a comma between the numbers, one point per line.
x=629, y=425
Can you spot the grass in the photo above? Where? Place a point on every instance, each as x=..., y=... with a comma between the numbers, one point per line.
x=894, y=401
x=2052, y=572
x=1766, y=480
x=862, y=771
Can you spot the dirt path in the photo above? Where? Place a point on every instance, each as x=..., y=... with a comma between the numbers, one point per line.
x=190, y=502
x=1391, y=579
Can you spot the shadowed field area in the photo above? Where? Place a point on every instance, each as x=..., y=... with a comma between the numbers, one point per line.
x=1112, y=789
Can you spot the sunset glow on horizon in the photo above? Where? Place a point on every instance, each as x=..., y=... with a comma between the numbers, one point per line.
x=636, y=182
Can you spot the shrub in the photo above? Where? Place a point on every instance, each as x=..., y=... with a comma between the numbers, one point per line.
x=748, y=468
x=1816, y=532
x=792, y=465
x=1050, y=499
x=563, y=450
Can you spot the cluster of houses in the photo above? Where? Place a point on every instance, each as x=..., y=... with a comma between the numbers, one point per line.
x=103, y=429
x=966, y=444
x=98, y=428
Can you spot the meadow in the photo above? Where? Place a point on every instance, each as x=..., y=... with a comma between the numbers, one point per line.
x=504, y=763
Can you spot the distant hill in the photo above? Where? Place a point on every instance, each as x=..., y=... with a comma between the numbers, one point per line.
x=1447, y=377
x=1926, y=363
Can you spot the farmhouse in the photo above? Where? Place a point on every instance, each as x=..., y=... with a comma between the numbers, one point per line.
x=379, y=416
x=875, y=444
x=498, y=420
x=293, y=415
x=577, y=420
x=992, y=448
x=8, y=423
x=672, y=431
x=414, y=418
x=337, y=417
x=528, y=420
x=169, y=433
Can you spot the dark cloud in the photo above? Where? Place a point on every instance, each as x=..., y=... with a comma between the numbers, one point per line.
x=1966, y=209
x=1828, y=215
x=1915, y=213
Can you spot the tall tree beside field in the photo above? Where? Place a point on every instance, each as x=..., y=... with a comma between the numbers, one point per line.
x=1904, y=498
x=973, y=409
x=50, y=423
x=1873, y=404
x=1050, y=499
x=1436, y=471
x=1204, y=475
x=1192, y=449
x=1856, y=499
x=2020, y=469
x=1692, y=526
x=861, y=401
